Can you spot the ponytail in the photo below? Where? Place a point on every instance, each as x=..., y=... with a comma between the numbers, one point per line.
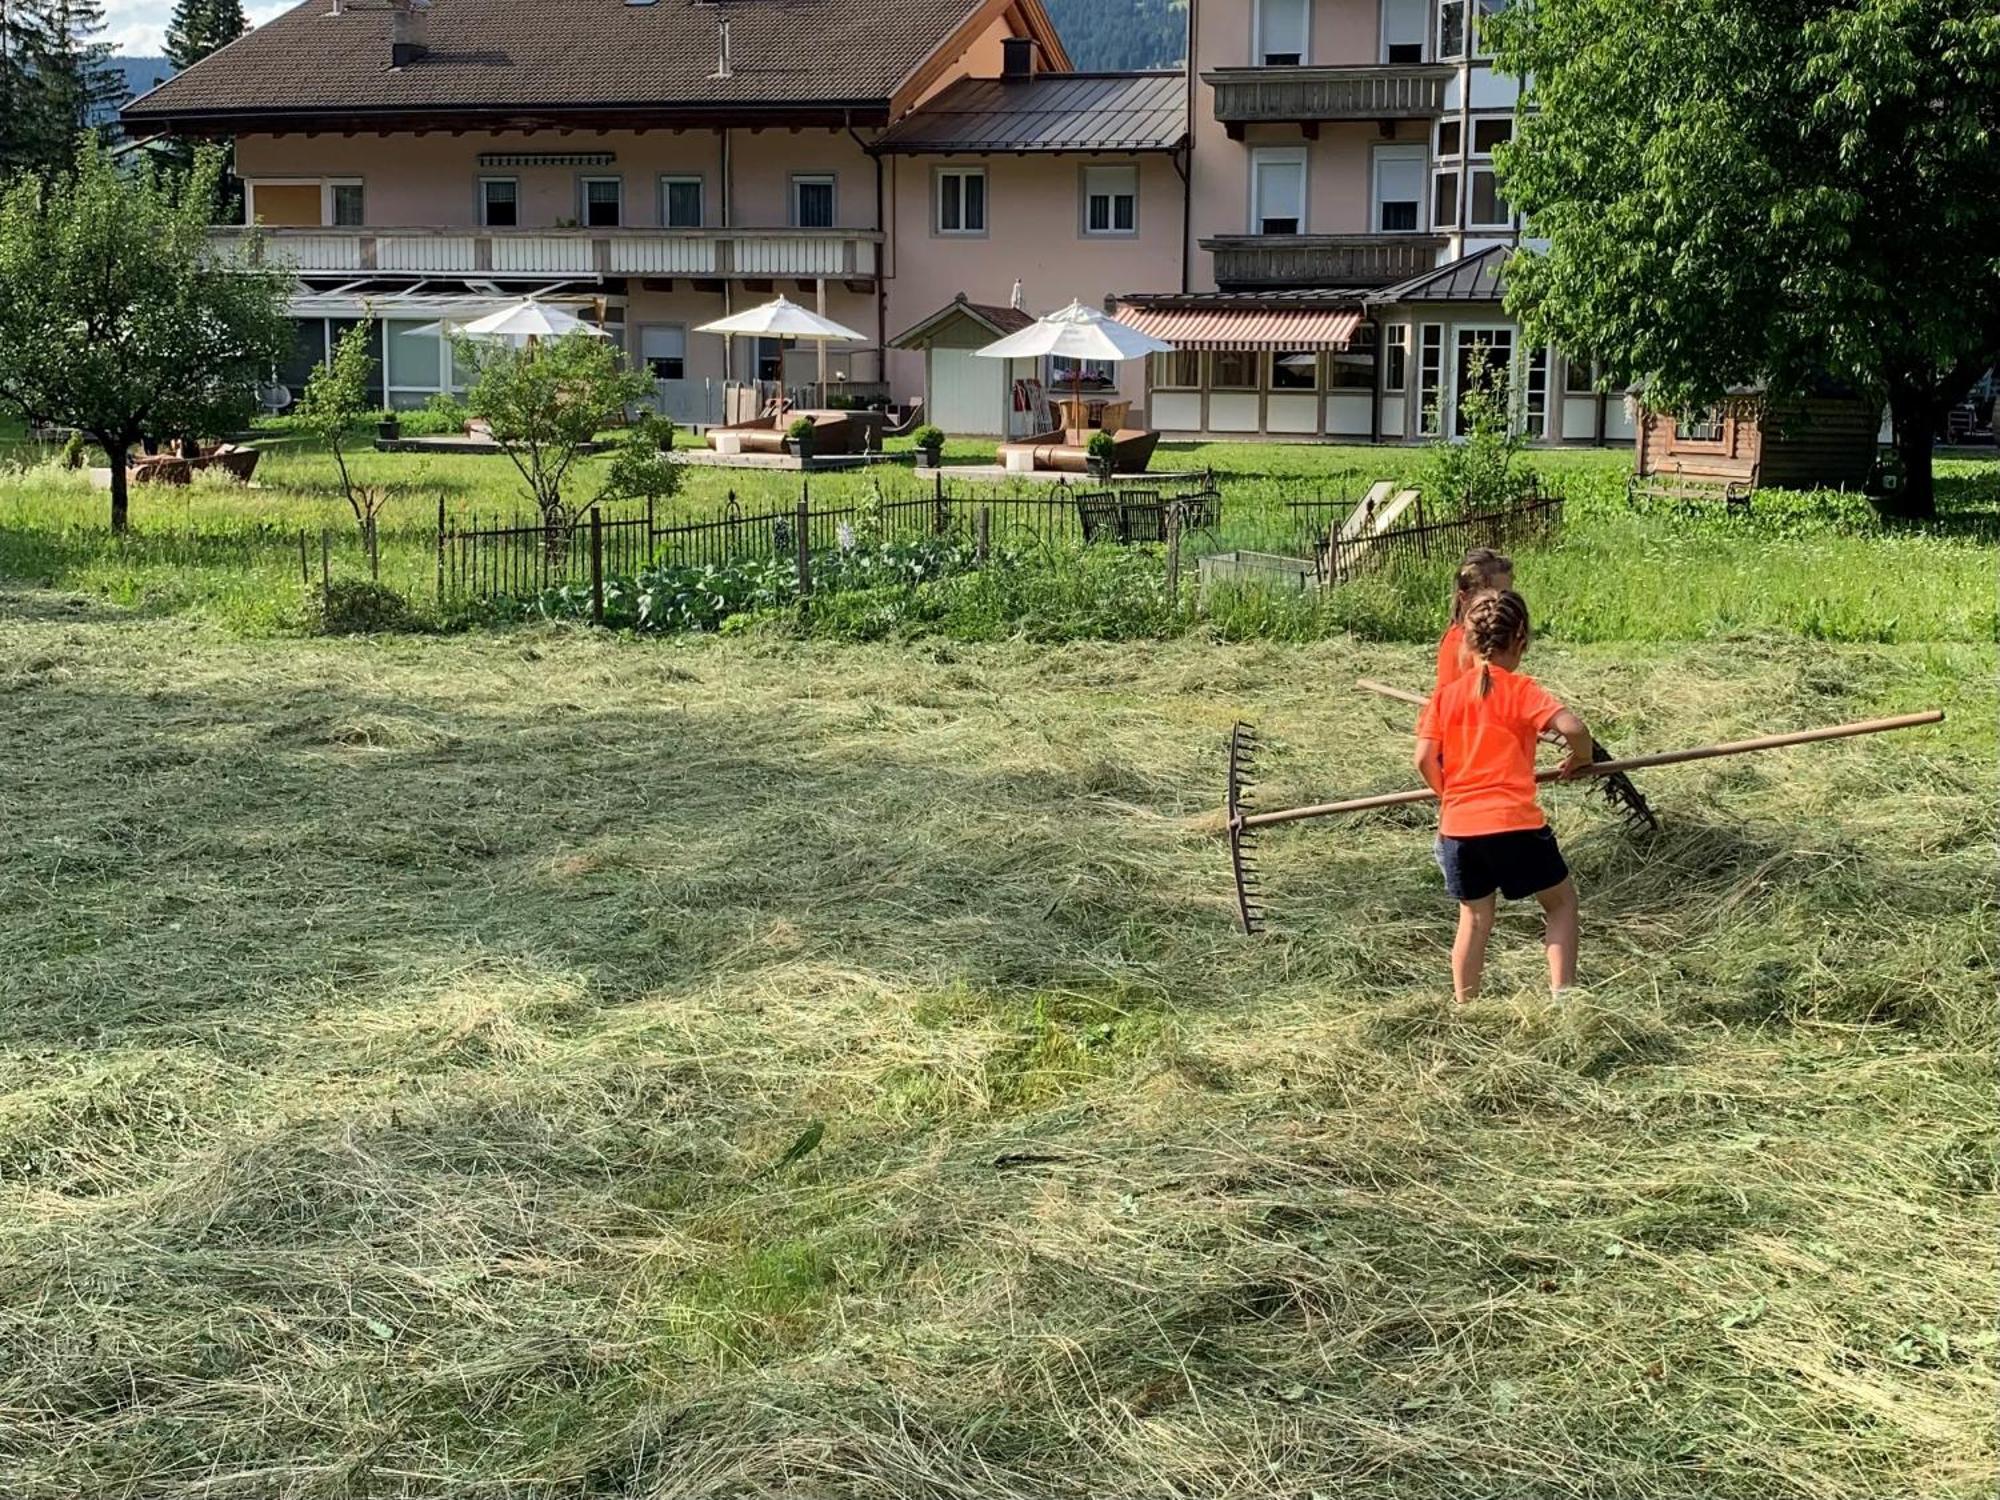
x=1494, y=621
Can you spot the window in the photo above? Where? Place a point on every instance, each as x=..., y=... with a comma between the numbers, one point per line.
x=1451, y=28
x=1110, y=200
x=1485, y=357
x=1403, y=25
x=1495, y=130
x=1577, y=378
x=1450, y=138
x=344, y=203
x=1396, y=358
x=1281, y=32
x=1178, y=371
x=1430, y=379
x=961, y=200
x=1232, y=370
x=663, y=350
x=1295, y=370
x=1703, y=426
x=414, y=362
x=1444, y=200
x=499, y=202
x=1489, y=208
x=812, y=202
x=1278, y=191
x=1481, y=9
x=1352, y=369
x=603, y=202
x=1536, y=410
x=1399, y=189
x=680, y=203
x=1066, y=372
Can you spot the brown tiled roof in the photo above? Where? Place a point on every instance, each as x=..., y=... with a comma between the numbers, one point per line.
x=997, y=316
x=526, y=57
x=1049, y=112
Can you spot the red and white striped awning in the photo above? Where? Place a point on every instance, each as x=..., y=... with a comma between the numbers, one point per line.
x=1275, y=329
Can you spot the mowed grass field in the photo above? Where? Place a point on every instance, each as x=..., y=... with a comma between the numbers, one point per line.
x=544, y=1064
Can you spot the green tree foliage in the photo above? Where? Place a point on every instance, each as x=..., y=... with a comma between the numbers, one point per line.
x=117, y=320
x=199, y=27
x=1481, y=471
x=1773, y=192
x=1134, y=34
x=546, y=401
x=56, y=79
x=335, y=400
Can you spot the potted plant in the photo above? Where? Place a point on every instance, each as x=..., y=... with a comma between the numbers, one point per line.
x=389, y=427
x=1099, y=452
x=929, y=441
x=799, y=439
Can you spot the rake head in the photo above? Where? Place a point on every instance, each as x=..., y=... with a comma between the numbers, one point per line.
x=1243, y=841
x=1626, y=799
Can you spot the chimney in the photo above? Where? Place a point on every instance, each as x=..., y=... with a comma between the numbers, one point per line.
x=1017, y=58
x=723, y=66
x=409, y=31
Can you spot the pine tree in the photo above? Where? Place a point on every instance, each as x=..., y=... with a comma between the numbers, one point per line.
x=200, y=27
x=82, y=85
x=56, y=79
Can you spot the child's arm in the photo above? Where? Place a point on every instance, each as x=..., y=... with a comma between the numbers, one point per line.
x=1429, y=761
x=1582, y=748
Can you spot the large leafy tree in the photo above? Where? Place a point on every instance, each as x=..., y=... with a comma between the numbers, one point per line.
x=1775, y=191
x=116, y=318
x=199, y=27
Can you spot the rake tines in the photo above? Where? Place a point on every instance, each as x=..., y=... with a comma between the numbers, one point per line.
x=1243, y=841
x=1626, y=799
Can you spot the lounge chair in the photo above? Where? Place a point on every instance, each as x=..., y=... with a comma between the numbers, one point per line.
x=912, y=420
x=834, y=432
x=1052, y=452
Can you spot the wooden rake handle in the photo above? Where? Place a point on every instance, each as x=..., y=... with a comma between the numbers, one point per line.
x=1606, y=767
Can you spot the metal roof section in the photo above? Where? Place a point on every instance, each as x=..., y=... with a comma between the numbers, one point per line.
x=1478, y=277
x=1048, y=112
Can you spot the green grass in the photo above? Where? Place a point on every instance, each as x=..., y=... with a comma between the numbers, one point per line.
x=398, y=1038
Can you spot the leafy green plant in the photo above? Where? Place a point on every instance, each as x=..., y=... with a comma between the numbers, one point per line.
x=800, y=430
x=356, y=606
x=336, y=399
x=1481, y=471
x=928, y=436
x=1102, y=448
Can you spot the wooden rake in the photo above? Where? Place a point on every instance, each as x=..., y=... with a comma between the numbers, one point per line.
x=1251, y=909
x=1623, y=798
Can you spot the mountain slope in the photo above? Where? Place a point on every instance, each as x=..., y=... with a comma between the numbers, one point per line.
x=1122, y=33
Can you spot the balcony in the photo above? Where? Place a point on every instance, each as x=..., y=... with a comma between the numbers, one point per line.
x=1308, y=96
x=1249, y=261
x=716, y=253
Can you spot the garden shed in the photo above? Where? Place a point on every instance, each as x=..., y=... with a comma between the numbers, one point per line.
x=965, y=394
x=1826, y=439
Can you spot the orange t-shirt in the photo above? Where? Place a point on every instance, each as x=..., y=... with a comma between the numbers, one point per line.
x=1449, y=666
x=1488, y=746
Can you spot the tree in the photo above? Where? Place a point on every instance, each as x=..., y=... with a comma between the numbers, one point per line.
x=545, y=403
x=117, y=319
x=199, y=27
x=336, y=398
x=1482, y=469
x=55, y=80
x=1777, y=192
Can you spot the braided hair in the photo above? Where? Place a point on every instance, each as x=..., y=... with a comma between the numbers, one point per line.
x=1481, y=570
x=1494, y=621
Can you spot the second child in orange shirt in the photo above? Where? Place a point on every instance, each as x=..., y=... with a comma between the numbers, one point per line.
x=1483, y=571
x=1476, y=749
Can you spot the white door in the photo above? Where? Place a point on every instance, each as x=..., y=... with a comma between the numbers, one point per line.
x=966, y=392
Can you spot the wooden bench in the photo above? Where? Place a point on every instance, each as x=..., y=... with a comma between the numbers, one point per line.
x=1688, y=491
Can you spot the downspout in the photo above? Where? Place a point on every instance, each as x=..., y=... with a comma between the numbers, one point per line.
x=728, y=299
x=1187, y=177
x=881, y=257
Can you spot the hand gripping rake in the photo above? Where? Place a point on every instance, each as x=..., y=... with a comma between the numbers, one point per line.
x=1243, y=824
x=1623, y=798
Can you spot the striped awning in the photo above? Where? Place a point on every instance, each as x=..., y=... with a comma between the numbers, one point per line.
x=1244, y=327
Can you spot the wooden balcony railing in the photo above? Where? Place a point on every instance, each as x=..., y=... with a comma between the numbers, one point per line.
x=569, y=252
x=1249, y=261
x=1307, y=95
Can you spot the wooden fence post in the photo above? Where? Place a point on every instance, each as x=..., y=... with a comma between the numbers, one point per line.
x=305, y=568
x=440, y=551
x=802, y=542
x=325, y=567
x=374, y=550
x=596, y=566
x=983, y=543
x=1173, y=555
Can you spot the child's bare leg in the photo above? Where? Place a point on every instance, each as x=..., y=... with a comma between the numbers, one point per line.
x=1468, y=951
x=1560, y=932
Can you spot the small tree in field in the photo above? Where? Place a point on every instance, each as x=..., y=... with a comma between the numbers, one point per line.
x=544, y=403
x=116, y=318
x=1482, y=470
x=336, y=399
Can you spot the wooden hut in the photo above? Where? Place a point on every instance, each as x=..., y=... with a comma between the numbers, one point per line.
x=1824, y=440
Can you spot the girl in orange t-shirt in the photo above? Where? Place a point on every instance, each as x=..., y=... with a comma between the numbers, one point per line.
x=1476, y=750
x=1482, y=571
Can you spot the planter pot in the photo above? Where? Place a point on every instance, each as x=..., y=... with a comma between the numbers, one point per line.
x=932, y=456
x=803, y=452
x=1100, y=468
x=389, y=429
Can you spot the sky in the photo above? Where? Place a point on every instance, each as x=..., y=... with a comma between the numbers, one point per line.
x=138, y=28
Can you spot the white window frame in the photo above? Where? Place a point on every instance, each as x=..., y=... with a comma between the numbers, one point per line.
x=1438, y=48
x=1396, y=359
x=1408, y=151
x=1536, y=397
x=1431, y=381
x=640, y=354
x=1263, y=156
x=1305, y=8
x=326, y=185
x=1130, y=175
x=326, y=200
x=960, y=175
x=1473, y=170
x=1476, y=12
x=1457, y=342
x=1426, y=31
x=1153, y=371
x=583, y=182
x=666, y=182
x=1471, y=143
x=830, y=180
x=479, y=199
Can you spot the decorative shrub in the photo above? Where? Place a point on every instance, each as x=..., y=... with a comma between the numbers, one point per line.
x=928, y=436
x=801, y=430
x=1102, y=447
x=356, y=606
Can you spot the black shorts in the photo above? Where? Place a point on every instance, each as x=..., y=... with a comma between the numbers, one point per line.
x=1517, y=864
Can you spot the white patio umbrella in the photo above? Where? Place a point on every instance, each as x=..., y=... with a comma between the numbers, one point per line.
x=781, y=318
x=523, y=320
x=1077, y=333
